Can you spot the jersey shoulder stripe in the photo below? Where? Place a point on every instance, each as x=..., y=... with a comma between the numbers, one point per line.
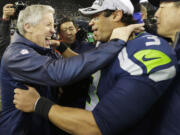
x=152, y=58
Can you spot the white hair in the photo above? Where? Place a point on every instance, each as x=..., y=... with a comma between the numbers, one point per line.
x=32, y=15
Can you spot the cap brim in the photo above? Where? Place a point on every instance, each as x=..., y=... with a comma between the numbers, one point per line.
x=89, y=11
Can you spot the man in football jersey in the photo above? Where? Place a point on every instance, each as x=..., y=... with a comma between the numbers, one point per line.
x=128, y=88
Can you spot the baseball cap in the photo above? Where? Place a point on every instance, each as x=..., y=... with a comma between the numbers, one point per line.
x=101, y=5
x=157, y=2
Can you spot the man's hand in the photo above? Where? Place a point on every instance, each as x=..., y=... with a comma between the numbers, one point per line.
x=25, y=100
x=8, y=11
x=54, y=42
x=124, y=33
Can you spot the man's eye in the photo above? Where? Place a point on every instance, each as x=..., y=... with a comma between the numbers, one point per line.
x=49, y=24
x=64, y=30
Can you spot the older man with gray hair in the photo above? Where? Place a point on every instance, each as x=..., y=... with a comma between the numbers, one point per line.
x=30, y=60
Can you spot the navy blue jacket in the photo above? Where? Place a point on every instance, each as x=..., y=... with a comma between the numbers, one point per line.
x=27, y=63
x=82, y=46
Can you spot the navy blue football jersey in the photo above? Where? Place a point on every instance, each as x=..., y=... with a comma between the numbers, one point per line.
x=131, y=84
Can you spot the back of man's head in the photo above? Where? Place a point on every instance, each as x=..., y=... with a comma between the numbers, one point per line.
x=32, y=15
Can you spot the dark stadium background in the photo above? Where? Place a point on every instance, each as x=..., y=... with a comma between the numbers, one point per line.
x=66, y=7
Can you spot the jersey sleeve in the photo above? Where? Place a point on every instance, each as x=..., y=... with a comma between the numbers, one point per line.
x=142, y=74
x=125, y=104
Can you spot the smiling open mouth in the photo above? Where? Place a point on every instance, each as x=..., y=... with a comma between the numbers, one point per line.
x=47, y=40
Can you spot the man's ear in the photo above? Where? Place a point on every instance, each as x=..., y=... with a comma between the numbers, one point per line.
x=117, y=15
x=60, y=36
x=28, y=28
x=144, y=16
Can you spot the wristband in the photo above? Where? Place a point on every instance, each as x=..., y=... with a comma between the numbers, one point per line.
x=62, y=48
x=43, y=106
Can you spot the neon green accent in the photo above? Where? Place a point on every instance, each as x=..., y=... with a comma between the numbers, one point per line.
x=156, y=58
x=139, y=34
x=95, y=93
x=87, y=103
x=90, y=100
x=90, y=37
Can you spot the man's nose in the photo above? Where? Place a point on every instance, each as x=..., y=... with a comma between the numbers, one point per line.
x=69, y=32
x=53, y=30
x=157, y=13
x=91, y=22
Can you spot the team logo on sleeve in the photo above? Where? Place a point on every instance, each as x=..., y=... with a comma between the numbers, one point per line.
x=152, y=58
x=145, y=58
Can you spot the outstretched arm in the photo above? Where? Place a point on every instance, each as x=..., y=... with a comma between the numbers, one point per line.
x=67, y=53
x=72, y=120
x=34, y=68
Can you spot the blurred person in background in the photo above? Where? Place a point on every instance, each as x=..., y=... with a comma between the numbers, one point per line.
x=68, y=31
x=8, y=11
x=74, y=95
x=142, y=14
x=5, y=34
x=143, y=11
x=167, y=116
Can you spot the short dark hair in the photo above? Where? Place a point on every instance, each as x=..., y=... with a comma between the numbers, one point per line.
x=64, y=19
x=127, y=19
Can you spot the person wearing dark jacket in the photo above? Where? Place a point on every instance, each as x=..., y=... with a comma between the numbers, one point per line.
x=4, y=36
x=74, y=95
x=8, y=11
x=30, y=60
x=167, y=118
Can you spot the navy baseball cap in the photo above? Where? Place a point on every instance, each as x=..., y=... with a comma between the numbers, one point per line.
x=157, y=2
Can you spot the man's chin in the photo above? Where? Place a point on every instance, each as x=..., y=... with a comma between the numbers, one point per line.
x=161, y=34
